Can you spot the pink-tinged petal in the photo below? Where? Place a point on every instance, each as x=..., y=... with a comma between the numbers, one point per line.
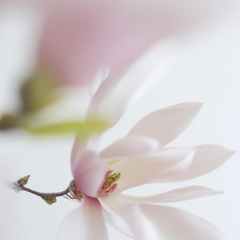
x=155, y=222
x=78, y=148
x=175, y=224
x=130, y=146
x=207, y=158
x=124, y=216
x=115, y=94
x=177, y=195
x=88, y=172
x=84, y=222
x=166, y=124
x=136, y=171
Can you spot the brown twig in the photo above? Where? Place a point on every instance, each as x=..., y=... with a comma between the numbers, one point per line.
x=57, y=194
x=71, y=192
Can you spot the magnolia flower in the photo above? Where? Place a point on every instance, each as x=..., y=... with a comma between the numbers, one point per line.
x=141, y=158
x=23, y=215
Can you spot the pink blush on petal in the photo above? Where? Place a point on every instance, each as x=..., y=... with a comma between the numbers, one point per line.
x=88, y=172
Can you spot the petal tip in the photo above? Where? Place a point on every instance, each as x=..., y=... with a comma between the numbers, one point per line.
x=217, y=192
x=196, y=105
x=190, y=108
x=232, y=152
x=229, y=152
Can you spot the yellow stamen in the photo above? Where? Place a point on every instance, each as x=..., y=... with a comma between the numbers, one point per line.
x=110, y=181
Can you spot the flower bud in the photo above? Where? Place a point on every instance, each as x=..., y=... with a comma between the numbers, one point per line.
x=49, y=199
x=23, y=180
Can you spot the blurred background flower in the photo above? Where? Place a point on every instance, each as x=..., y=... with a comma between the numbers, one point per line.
x=77, y=40
x=206, y=70
x=80, y=38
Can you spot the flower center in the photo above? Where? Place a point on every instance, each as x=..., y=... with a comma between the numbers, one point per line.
x=110, y=182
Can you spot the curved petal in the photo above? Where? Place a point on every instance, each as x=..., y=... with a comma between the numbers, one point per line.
x=130, y=146
x=88, y=172
x=166, y=124
x=175, y=224
x=124, y=216
x=156, y=222
x=177, y=195
x=207, y=158
x=84, y=222
x=115, y=94
x=137, y=171
x=78, y=148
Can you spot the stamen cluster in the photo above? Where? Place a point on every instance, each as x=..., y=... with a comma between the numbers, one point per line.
x=110, y=182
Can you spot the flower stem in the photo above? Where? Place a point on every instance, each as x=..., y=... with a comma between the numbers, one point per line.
x=71, y=192
x=57, y=194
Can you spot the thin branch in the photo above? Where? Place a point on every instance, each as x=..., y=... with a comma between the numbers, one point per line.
x=57, y=194
x=71, y=191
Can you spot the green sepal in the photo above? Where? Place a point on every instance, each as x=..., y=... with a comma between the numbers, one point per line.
x=23, y=180
x=49, y=199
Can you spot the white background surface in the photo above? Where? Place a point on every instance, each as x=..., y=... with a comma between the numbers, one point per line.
x=207, y=70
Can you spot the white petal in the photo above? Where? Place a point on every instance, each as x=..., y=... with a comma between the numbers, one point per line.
x=155, y=222
x=177, y=195
x=166, y=124
x=98, y=80
x=84, y=222
x=124, y=216
x=130, y=146
x=105, y=89
x=116, y=92
x=207, y=158
x=175, y=224
x=137, y=171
